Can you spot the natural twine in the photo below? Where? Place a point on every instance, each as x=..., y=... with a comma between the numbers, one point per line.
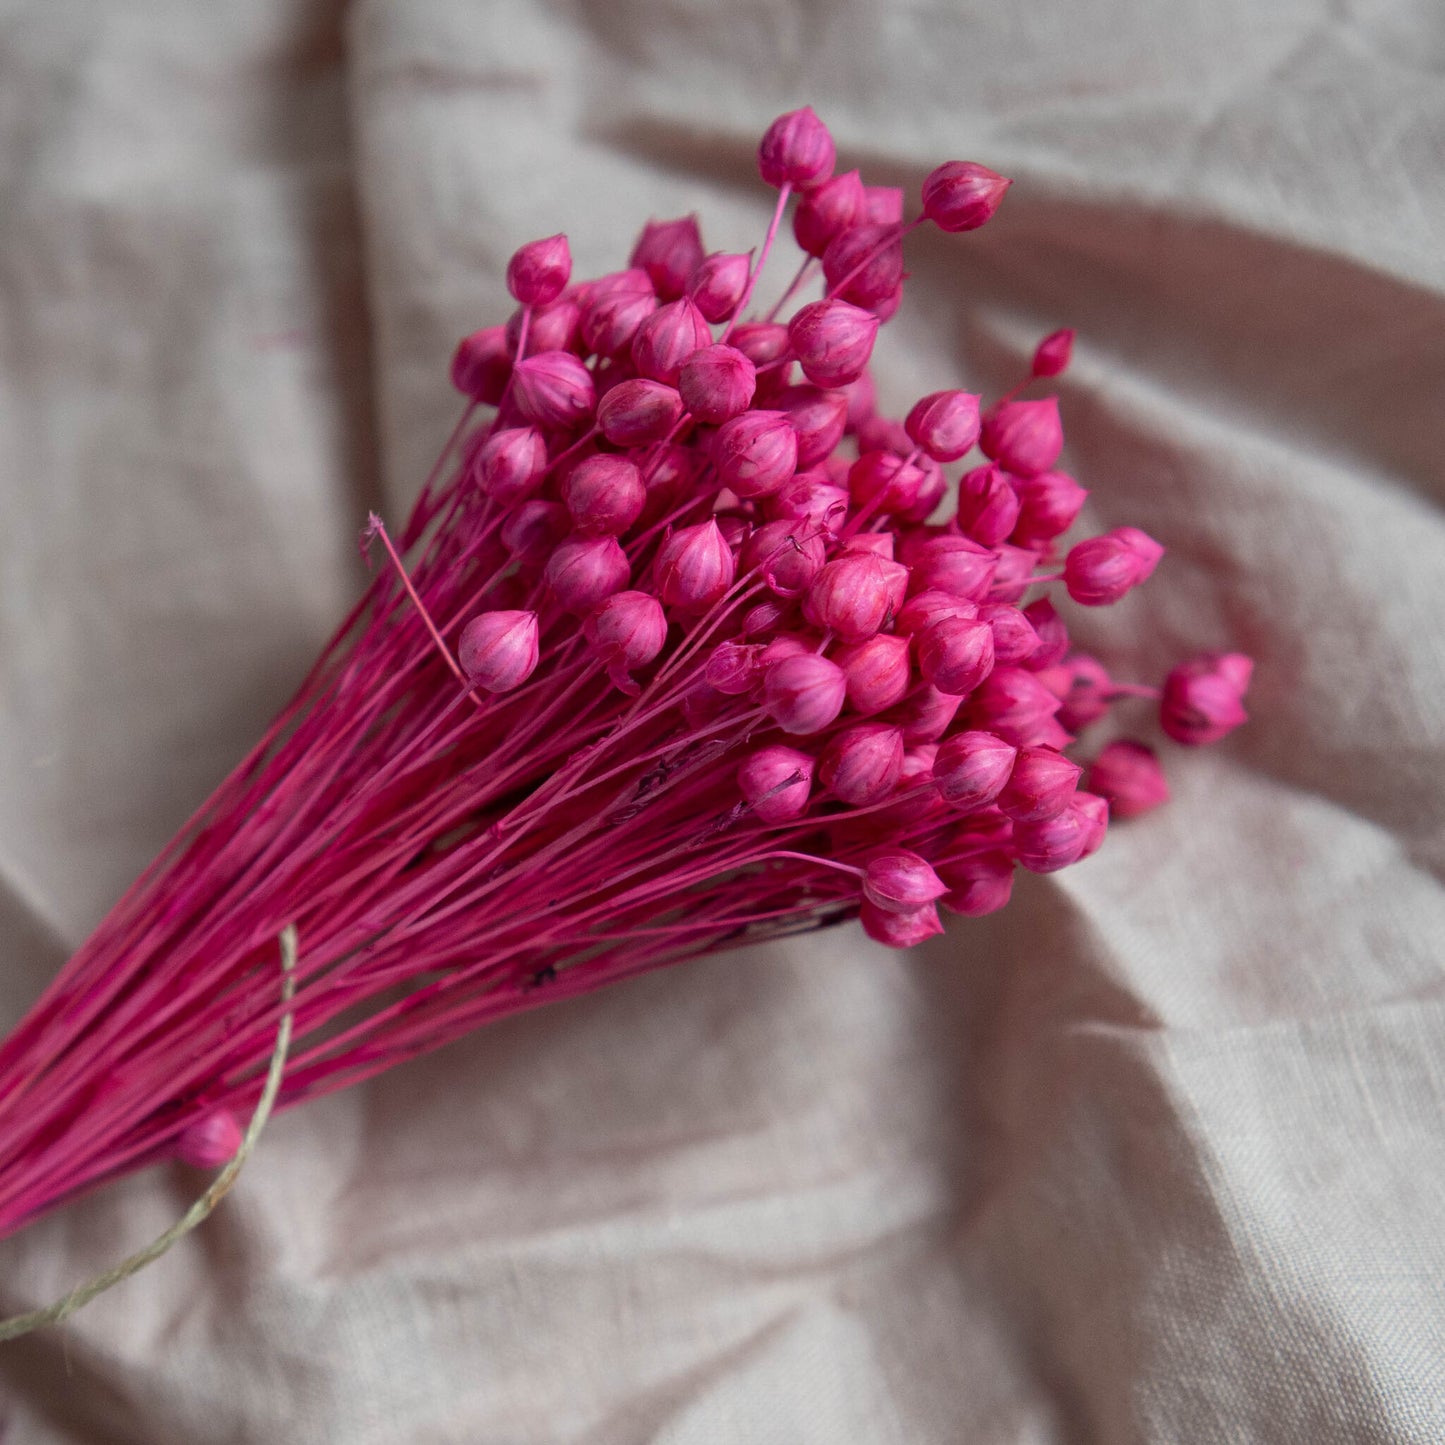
x=23, y=1324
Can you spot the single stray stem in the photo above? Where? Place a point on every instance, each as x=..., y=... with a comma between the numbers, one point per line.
x=62, y=1309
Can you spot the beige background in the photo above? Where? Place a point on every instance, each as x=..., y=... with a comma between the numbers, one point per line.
x=1156, y=1156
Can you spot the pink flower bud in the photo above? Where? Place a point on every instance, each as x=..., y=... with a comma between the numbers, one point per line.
x=1041, y=784
x=1052, y=634
x=833, y=341
x=1048, y=505
x=1082, y=686
x=927, y=714
x=785, y=556
x=804, y=693
x=1014, y=639
x=639, y=411
x=1013, y=576
x=851, y=596
x=929, y=494
x=796, y=150
x=669, y=251
x=510, y=463
x=988, y=506
x=1128, y=776
x=972, y=768
x=827, y=210
x=667, y=338
x=695, y=567
x=498, y=650
x=554, y=327
x=1053, y=353
x=553, y=389
x=762, y=342
x=482, y=365
x=764, y=618
x=539, y=271
x=734, y=668
x=610, y=320
x=718, y=284
x=928, y=606
x=533, y=529
x=961, y=195
x=945, y=424
x=978, y=885
x=717, y=383
x=755, y=453
x=1203, y=698
x=880, y=544
x=604, y=495
x=883, y=205
x=627, y=631
x=878, y=672
x=1014, y=704
x=864, y=265
x=884, y=482
x=900, y=881
x=862, y=765
x=818, y=418
x=954, y=565
x=807, y=497
x=583, y=571
x=1053, y=843
x=899, y=930
x=211, y=1141
x=1094, y=810
x=775, y=782
x=1024, y=437
x=1100, y=570
x=955, y=654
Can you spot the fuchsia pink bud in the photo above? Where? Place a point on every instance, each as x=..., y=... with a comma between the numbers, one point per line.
x=785, y=556
x=695, y=567
x=1048, y=505
x=1015, y=705
x=583, y=571
x=717, y=383
x=1023, y=437
x=610, y=320
x=900, y=881
x=538, y=272
x=554, y=327
x=604, y=495
x=1056, y=842
x=1082, y=686
x=1041, y=784
x=1128, y=776
x=1052, y=634
x=1013, y=576
x=510, y=463
x=862, y=764
x=553, y=388
x=718, y=284
x=833, y=341
x=498, y=650
x=1053, y=353
x=972, y=768
x=796, y=150
x=210, y=1142
x=804, y=693
x=962, y=195
x=883, y=205
x=988, y=506
x=945, y=424
x=978, y=885
x=828, y=209
x=853, y=595
x=928, y=606
x=899, y=930
x=776, y=782
x=667, y=338
x=1014, y=639
x=1094, y=811
x=755, y=453
x=669, y=251
x=482, y=365
x=626, y=631
x=533, y=529
x=955, y=654
x=734, y=668
x=884, y=482
x=762, y=342
x=878, y=672
x=954, y=565
x=864, y=265
x=807, y=497
x=1203, y=698
x=639, y=411
x=818, y=418
x=1101, y=570
x=927, y=714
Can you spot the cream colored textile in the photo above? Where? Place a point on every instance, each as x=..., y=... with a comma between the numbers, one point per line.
x=1159, y=1154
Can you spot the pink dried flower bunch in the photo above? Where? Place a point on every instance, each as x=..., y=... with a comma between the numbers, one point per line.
x=684, y=646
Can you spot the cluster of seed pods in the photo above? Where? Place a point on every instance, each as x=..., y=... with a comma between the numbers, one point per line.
x=713, y=499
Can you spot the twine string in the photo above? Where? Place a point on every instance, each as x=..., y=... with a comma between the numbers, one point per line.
x=23, y=1324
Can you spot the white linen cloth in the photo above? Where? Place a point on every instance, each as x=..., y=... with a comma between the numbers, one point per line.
x=1155, y=1155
